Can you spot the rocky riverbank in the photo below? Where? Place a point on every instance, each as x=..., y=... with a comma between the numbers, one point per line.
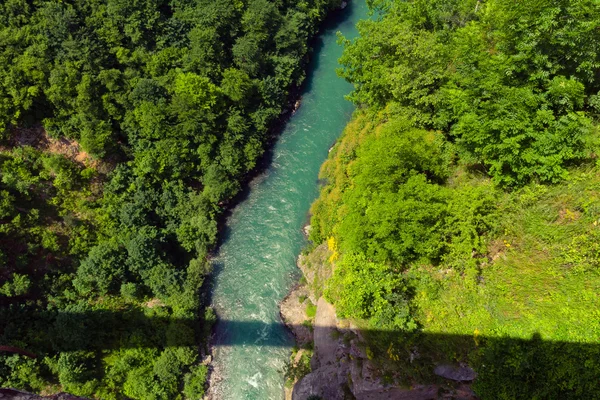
x=340, y=367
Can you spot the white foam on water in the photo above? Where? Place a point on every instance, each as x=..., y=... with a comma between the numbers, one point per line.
x=253, y=381
x=258, y=257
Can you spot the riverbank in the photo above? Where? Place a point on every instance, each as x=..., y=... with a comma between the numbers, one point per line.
x=341, y=365
x=292, y=105
x=256, y=176
x=254, y=267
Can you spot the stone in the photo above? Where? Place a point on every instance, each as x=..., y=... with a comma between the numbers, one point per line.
x=13, y=394
x=455, y=373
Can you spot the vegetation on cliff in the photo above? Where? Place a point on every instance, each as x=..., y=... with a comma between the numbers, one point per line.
x=461, y=204
x=126, y=126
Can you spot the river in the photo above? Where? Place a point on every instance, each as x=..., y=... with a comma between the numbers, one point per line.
x=256, y=263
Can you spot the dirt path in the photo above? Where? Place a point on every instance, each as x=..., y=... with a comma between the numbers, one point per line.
x=325, y=325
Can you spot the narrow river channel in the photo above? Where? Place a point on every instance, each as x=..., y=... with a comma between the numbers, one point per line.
x=256, y=263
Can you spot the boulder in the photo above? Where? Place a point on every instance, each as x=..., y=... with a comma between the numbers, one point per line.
x=455, y=373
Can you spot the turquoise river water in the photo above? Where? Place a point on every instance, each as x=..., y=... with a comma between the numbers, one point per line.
x=256, y=263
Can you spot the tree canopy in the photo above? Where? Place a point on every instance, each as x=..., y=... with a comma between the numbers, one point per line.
x=459, y=207
x=126, y=127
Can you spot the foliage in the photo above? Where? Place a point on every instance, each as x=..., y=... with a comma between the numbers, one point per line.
x=311, y=310
x=297, y=366
x=460, y=205
x=504, y=92
x=365, y=290
x=194, y=382
x=126, y=127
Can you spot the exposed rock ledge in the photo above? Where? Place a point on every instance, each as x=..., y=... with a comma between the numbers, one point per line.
x=340, y=368
x=12, y=394
x=293, y=313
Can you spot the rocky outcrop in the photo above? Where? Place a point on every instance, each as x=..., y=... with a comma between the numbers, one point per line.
x=293, y=314
x=12, y=394
x=316, y=271
x=330, y=366
x=341, y=369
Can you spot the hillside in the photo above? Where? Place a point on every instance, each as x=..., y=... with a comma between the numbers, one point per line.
x=461, y=205
x=126, y=128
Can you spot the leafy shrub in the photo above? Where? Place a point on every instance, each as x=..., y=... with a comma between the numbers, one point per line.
x=194, y=382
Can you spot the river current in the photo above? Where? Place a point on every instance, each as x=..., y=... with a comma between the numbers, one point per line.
x=256, y=263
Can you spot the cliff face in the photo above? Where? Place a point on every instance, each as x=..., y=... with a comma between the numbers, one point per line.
x=341, y=369
x=340, y=366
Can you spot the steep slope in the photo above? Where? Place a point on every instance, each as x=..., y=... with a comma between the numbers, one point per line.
x=460, y=208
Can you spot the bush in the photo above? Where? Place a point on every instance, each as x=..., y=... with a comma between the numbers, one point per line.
x=194, y=382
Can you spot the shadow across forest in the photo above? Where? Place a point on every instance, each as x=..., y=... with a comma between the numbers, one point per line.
x=559, y=367
x=108, y=329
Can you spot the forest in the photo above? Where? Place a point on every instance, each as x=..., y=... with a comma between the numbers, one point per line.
x=463, y=198
x=126, y=129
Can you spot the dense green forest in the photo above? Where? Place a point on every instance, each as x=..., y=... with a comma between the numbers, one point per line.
x=126, y=127
x=461, y=204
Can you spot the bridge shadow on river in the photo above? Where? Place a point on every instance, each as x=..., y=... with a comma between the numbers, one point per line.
x=107, y=329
